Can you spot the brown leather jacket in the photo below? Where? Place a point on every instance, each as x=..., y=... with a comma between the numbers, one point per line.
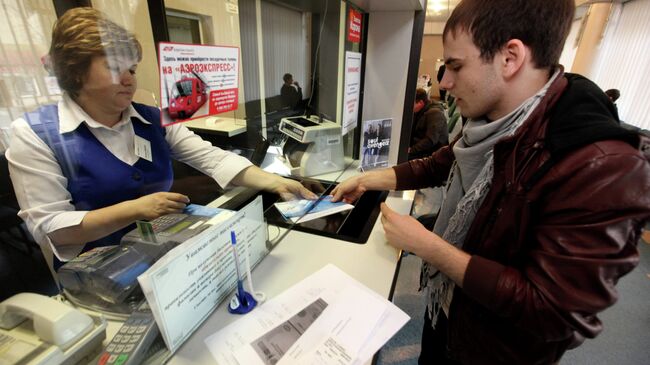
x=559, y=227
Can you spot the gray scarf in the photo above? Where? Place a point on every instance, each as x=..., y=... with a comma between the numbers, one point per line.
x=469, y=181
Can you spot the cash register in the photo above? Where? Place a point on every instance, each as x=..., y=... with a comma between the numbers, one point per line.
x=104, y=279
x=314, y=145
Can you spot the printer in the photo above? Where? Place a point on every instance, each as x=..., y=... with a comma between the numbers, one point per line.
x=314, y=146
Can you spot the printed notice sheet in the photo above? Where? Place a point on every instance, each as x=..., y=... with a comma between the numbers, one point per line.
x=188, y=283
x=327, y=318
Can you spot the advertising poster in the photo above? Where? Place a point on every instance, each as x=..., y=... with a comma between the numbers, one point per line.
x=354, y=26
x=352, y=88
x=375, y=143
x=197, y=80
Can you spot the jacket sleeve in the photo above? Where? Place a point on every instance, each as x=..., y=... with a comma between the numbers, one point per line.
x=425, y=172
x=584, y=240
x=433, y=119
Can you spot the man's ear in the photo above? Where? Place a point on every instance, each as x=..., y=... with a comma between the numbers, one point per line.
x=513, y=56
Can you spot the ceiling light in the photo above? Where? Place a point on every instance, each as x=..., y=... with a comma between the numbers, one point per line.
x=437, y=6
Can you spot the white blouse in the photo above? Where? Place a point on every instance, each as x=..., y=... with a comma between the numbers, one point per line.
x=41, y=187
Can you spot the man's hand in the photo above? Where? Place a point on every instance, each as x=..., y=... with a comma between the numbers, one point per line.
x=405, y=232
x=349, y=190
x=155, y=205
x=291, y=189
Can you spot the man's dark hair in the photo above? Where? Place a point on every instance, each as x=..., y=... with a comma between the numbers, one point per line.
x=287, y=77
x=613, y=94
x=542, y=25
x=421, y=95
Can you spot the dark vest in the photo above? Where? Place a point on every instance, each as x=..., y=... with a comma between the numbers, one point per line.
x=98, y=179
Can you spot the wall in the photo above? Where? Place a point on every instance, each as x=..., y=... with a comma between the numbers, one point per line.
x=591, y=38
x=387, y=61
x=431, y=51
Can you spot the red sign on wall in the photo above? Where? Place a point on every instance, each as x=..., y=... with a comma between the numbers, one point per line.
x=354, y=26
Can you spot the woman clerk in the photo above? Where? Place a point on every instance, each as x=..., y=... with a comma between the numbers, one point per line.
x=86, y=168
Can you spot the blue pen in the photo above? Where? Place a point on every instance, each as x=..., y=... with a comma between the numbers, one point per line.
x=243, y=301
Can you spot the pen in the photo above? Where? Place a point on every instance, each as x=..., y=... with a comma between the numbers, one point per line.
x=240, y=285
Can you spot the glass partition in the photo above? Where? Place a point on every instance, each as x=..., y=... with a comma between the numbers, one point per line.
x=291, y=75
x=262, y=79
x=24, y=41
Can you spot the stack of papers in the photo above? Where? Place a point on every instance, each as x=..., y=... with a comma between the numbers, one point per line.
x=326, y=319
x=304, y=210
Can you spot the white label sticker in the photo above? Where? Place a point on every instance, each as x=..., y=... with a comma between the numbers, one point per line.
x=333, y=140
x=143, y=148
x=232, y=8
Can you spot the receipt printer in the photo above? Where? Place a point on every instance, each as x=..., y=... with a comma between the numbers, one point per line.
x=314, y=145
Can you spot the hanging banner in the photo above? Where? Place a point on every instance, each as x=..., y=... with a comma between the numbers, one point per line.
x=352, y=89
x=354, y=26
x=197, y=80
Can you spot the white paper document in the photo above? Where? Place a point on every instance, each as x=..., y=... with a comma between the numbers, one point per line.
x=327, y=318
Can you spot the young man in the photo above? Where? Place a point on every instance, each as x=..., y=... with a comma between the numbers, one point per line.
x=546, y=194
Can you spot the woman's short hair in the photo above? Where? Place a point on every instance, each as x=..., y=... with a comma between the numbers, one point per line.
x=80, y=35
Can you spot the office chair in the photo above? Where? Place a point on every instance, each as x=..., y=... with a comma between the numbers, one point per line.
x=9, y=208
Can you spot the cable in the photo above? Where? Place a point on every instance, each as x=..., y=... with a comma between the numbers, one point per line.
x=313, y=72
x=258, y=295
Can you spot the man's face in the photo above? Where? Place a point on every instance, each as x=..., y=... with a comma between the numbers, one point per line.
x=475, y=84
x=417, y=106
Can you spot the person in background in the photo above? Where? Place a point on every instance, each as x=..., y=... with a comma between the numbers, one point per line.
x=546, y=195
x=85, y=169
x=443, y=92
x=290, y=92
x=429, y=129
x=613, y=95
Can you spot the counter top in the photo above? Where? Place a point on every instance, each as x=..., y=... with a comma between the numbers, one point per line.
x=296, y=255
x=222, y=126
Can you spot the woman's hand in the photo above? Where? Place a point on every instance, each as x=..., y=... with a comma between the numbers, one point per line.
x=104, y=221
x=155, y=205
x=291, y=189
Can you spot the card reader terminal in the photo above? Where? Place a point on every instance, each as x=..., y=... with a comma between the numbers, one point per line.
x=131, y=343
x=174, y=228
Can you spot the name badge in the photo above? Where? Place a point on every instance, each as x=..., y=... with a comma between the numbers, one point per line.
x=143, y=148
